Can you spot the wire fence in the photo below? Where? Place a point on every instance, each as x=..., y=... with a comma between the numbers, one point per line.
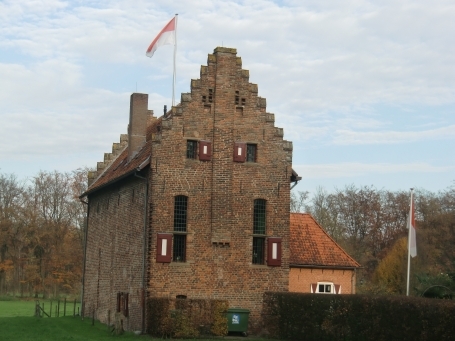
x=57, y=309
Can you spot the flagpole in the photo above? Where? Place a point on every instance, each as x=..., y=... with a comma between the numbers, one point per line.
x=175, y=51
x=409, y=243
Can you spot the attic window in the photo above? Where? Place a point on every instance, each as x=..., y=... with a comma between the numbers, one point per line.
x=210, y=95
x=251, y=152
x=191, y=149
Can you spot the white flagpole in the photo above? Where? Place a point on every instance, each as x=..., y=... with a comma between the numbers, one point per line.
x=409, y=243
x=175, y=51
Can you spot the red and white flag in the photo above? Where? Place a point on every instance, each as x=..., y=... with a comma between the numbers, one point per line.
x=165, y=37
x=412, y=229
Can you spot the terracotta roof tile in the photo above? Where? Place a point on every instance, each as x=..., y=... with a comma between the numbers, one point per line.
x=311, y=246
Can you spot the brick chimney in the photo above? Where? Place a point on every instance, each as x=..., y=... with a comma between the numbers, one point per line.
x=137, y=127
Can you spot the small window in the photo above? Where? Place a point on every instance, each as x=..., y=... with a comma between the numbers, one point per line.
x=180, y=219
x=210, y=95
x=122, y=303
x=325, y=288
x=179, y=252
x=191, y=149
x=258, y=250
x=251, y=152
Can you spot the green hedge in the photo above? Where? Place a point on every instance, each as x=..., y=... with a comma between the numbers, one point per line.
x=186, y=318
x=296, y=316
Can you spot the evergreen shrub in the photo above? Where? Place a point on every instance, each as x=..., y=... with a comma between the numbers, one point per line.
x=297, y=316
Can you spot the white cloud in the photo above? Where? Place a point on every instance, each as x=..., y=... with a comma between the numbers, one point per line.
x=354, y=169
x=389, y=137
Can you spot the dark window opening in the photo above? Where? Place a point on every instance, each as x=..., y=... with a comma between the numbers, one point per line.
x=210, y=95
x=204, y=99
x=191, y=149
x=251, y=152
x=258, y=250
x=243, y=101
x=178, y=254
x=122, y=303
x=181, y=297
x=237, y=98
x=259, y=216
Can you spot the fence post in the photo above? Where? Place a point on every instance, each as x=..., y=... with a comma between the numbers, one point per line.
x=58, y=310
x=37, y=309
x=64, y=307
x=50, y=310
x=74, y=308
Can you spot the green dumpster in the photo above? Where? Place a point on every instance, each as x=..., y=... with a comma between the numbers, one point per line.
x=238, y=320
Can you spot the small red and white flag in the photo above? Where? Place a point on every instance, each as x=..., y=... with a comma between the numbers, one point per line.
x=165, y=37
x=412, y=229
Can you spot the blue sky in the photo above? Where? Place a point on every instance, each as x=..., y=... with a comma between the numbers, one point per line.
x=364, y=89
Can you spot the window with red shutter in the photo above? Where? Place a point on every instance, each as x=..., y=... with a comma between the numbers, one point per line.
x=239, y=152
x=274, y=251
x=205, y=150
x=163, y=248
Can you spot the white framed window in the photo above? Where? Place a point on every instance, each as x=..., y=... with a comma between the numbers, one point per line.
x=325, y=288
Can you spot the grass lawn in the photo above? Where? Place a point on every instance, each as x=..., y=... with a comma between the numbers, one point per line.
x=62, y=328
x=12, y=308
x=17, y=323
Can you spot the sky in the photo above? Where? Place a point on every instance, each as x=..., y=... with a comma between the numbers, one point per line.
x=364, y=89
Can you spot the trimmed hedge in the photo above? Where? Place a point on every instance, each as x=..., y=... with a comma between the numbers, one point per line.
x=186, y=318
x=297, y=316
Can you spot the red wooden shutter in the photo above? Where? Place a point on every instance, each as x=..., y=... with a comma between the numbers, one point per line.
x=239, y=152
x=274, y=251
x=163, y=247
x=314, y=287
x=337, y=288
x=205, y=150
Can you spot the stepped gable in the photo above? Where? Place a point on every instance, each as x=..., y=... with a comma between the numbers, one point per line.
x=310, y=245
x=120, y=167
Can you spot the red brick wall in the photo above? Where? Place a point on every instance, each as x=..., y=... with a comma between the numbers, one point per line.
x=300, y=279
x=114, y=257
x=220, y=192
x=220, y=203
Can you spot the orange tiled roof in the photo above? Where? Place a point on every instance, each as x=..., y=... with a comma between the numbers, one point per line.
x=310, y=245
x=121, y=167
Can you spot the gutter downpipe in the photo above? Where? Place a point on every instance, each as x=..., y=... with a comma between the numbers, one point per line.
x=85, y=258
x=144, y=247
